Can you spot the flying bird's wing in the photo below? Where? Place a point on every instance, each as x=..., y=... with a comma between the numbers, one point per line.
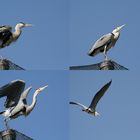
x=99, y=44
x=13, y=91
x=5, y=34
x=99, y=95
x=81, y=105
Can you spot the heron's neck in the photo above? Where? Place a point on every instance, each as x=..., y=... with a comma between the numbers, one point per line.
x=31, y=107
x=116, y=34
x=17, y=32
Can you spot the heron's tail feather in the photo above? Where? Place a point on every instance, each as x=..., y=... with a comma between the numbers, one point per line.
x=93, y=52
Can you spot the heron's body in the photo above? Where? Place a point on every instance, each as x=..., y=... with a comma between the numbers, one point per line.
x=16, y=102
x=92, y=107
x=89, y=111
x=7, y=36
x=106, y=42
x=12, y=114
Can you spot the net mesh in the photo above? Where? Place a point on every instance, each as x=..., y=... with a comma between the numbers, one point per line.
x=8, y=135
x=108, y=64
x=6, y=64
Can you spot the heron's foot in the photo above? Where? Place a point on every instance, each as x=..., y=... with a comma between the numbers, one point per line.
x=105, y=53
x=1, y=58
x=106, y=57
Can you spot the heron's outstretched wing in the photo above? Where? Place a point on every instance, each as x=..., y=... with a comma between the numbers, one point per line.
x=5, y=28
x=98, y=95
x=5, y=34
x=99, y=44
x=13, y=91
x=81, y=105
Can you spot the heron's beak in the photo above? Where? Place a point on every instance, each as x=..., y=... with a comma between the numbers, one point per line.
x=28, y=25
x=42, y=88
x=120, y=27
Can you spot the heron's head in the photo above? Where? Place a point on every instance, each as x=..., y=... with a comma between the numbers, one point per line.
x=22, y=25
x=96, y=114
x=41, y=89
x=118, y=29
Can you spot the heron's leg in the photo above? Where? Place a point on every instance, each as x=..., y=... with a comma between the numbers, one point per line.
x=1, y=58
x=105, y=52
x=6, y=123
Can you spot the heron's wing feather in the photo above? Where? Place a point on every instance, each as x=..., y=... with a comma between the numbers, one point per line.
x=79, y=104
x=100, y=43
x=99, y=95
x=5, y=34
x=13, y=91
x=16, y=110
x=4, y=28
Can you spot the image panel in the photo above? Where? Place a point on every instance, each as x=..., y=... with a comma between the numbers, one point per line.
x=49, y=117
x=90, y=21
x=118, y=108
x=42, y=46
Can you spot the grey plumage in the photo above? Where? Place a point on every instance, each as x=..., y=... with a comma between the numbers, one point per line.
x=103, y=44
x=16, y=103
x=99, y=95
x=7, y=36
x=13, y=92
x=92, y=107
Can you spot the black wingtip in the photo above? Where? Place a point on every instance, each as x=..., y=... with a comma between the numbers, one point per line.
x=110, y=81
x=91, y=53
x=71, y=103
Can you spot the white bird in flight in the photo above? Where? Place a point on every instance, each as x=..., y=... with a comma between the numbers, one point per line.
x=92, y=107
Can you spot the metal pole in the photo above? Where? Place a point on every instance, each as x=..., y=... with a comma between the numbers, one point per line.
x=107, y=65
x=8, y=135
x=6, y=64
x=3, y=65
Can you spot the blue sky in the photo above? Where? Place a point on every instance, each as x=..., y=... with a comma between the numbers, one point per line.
x=119, y=107
x=43, y=46
x=91, y=19
x=62, y=34
x=49, y=119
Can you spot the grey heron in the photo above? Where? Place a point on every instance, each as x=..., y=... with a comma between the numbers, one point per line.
x=16, y=103
x=106, y=42
x=92, y=107
x=7, y=36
